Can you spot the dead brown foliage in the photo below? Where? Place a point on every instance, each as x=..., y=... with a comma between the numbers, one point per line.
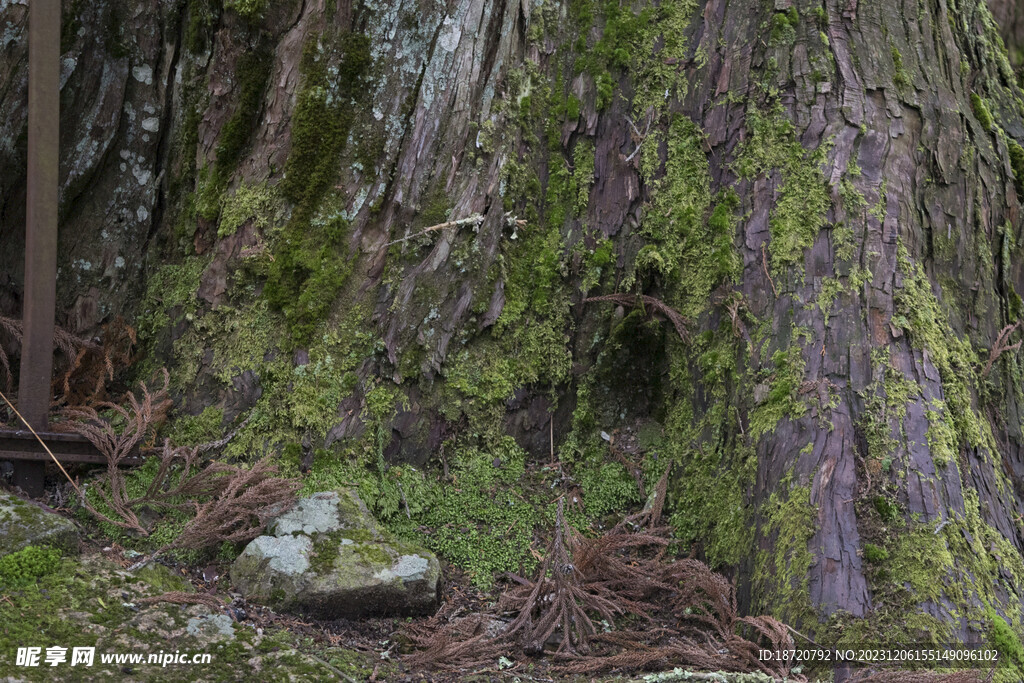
x=1002, y=345
x=82, y=369
x=614, y=602
x=228, y=502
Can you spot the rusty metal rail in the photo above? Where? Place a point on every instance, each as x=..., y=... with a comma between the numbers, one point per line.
x=21, y=445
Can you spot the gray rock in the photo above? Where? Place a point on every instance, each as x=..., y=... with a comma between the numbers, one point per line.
x=211, y=627
x=23, y=524
x=329, y=558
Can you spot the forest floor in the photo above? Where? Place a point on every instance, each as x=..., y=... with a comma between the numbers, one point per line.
x=94, y=599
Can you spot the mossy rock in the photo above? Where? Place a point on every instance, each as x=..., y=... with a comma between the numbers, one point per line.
x=23, y=524
x=329, y=558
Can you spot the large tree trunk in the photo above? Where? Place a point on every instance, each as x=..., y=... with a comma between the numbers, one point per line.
x=826, y=192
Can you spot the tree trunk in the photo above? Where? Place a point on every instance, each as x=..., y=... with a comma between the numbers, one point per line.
x=826, y=193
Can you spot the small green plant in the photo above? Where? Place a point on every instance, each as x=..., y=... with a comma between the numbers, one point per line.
x=250, y=10
x=887, y=509
x=875, y=554
x=901, y=77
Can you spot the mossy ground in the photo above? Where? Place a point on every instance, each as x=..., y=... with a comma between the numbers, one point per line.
x=92, y=602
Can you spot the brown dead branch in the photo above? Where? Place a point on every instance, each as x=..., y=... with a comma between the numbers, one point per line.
x=642, y=300
x=140, y=420
x=229, y=503
x=1002, y=346
x=248, y=499
x=596, y=605
x=239, y=504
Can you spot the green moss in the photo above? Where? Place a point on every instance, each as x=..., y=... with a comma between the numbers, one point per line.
x=888, y=509
x=169, y=300
x=900, y=76
x=875, y=554
x=483, y=520
x=253, y=74
x=334, y=72
x=27, y=565
x=201, y=16
x=162, y=580
x=250, y=10
x=803, y=199
x=307, y=274
x=572, y=108
x=690, y=244
x=918, y=311
x=302, y=399
x=325, y=551
x=583, y=174
x=708, y=503
x=257, y=203
x=981, y=112
x=308, y=270
x=1003, y=638
x=192, y=430
x=781, y=577
x=782, y=398
x=831, y=288
x=1017, y=160
x=941, y=436
x=783, y=29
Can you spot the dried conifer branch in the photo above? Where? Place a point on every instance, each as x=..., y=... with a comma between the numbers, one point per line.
x=1002, y=346
x=620, y=573
x=84, y=368
x=241, y=502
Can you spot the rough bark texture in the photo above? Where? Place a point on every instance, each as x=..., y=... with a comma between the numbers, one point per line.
x=827, y=192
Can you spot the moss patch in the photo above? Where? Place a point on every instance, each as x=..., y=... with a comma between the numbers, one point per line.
x=802, y=200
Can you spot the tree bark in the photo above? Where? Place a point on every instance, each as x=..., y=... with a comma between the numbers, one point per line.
x=827, y=193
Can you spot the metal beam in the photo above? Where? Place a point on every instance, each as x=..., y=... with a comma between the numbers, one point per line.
x=21, y=445
x=40, y=227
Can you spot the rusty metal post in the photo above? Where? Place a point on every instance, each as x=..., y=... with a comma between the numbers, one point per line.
x=40, y=227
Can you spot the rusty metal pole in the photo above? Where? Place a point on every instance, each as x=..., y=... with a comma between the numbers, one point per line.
x=40, y=227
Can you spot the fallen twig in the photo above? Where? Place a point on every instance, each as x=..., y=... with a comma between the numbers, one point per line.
x=475, y=219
